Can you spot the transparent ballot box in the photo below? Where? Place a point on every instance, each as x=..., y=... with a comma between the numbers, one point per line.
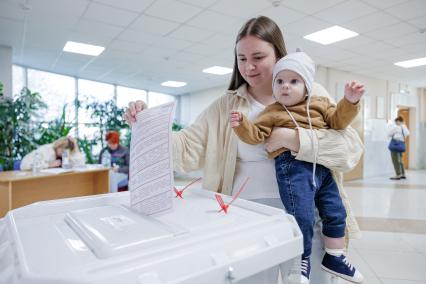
x=100, y=239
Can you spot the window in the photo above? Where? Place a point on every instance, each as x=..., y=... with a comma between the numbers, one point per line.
x=92, y=92
x=18, y=79
x=56, y=91
x=126, y=95
x=155, y=99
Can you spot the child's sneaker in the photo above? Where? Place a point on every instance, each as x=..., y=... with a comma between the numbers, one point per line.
x=305, y=270
x=340, y=266
x=300, y=272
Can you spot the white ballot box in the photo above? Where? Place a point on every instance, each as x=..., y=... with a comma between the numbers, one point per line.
x=99, y=239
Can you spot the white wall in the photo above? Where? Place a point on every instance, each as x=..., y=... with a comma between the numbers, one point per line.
x=193, y=104
x=421, y=141
x=377, y=161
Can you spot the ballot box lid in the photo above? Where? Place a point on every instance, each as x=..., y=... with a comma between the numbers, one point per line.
x=100, y=239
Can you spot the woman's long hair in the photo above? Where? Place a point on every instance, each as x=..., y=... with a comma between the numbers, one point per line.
x=265, y=29
x=66, y=144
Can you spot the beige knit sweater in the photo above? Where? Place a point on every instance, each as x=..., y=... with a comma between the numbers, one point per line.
x=210, y=144
x=324, y=114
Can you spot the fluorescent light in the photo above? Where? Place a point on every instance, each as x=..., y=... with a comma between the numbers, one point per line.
x=174, y=84
x=218, y=70
x=82, y=48
x=331, y=35
x=412, y=63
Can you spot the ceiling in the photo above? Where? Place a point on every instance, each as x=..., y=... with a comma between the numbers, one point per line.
x=151, y=41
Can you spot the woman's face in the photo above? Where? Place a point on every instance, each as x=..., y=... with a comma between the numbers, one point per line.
x=256, y=59
x=112, y=146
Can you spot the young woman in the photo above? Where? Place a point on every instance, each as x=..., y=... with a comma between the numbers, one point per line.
x=51, y=154
x=210, y=144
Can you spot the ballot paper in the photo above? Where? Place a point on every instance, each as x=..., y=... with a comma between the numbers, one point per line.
x=151, y=164
x=55, y=171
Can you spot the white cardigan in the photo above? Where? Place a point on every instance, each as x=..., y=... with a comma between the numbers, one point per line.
x=47, y=155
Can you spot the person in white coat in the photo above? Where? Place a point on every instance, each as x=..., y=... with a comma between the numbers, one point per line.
x=50, y=155
x=398, y=132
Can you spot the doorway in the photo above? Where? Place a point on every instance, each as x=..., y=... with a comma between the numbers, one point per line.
x=404, y=112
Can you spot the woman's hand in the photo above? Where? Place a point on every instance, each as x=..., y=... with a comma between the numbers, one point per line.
x=133, y=109
x=55, y=164
x=283, y=137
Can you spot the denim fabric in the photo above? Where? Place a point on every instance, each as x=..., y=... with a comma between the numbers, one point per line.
x=300, y=197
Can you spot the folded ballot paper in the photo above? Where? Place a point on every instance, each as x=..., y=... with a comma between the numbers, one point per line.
x=151, y=169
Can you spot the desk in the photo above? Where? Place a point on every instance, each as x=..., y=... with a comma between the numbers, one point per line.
x=19, y=188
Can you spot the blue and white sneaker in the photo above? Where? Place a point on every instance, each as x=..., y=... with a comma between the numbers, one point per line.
x=300, y=272
x=305, y=270
x=340, y=266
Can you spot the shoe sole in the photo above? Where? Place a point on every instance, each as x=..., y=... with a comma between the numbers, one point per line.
x=343, y=276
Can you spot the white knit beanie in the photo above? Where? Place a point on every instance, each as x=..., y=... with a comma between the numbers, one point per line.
x=300, y=63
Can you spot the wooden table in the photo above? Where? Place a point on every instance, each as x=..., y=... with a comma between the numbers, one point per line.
x=19, y=188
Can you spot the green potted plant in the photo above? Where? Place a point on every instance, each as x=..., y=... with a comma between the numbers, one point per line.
x=17, y=118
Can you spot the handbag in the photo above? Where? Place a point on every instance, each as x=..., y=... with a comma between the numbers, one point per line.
x=397, y=145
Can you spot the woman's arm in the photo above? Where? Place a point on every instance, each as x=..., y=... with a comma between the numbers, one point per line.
x=190, y=144
x=338, y=150
x=47, y=157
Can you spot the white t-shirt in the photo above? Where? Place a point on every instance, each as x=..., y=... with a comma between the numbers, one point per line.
x=253, y=162
x=398, y=132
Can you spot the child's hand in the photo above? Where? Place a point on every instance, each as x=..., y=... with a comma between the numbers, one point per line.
x=354, y=92
x=235, y=118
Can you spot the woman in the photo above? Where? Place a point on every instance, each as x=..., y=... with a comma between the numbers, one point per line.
x=398, y=132
x=210, y=143
x=119, y=159
x=50, y=155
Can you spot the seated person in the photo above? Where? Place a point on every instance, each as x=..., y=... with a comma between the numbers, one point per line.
x=51, y=154
x=120, y=158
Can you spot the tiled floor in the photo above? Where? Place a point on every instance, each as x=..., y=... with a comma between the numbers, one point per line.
x=392, y=217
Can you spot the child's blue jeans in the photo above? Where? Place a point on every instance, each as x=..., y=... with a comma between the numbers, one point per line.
x=300, y=197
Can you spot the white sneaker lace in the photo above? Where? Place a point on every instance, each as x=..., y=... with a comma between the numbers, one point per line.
x=348, y=264
x=304, y=266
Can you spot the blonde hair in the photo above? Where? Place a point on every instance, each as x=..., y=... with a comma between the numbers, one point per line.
x=65, y=143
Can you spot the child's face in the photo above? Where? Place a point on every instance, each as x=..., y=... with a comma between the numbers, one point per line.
x=289, y=88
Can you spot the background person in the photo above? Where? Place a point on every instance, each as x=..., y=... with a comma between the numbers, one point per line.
x=50, y=155
x=210, y=144
x=398, y=132
x=119, y=160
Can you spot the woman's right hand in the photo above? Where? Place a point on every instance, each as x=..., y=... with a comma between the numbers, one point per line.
x=133, y=109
